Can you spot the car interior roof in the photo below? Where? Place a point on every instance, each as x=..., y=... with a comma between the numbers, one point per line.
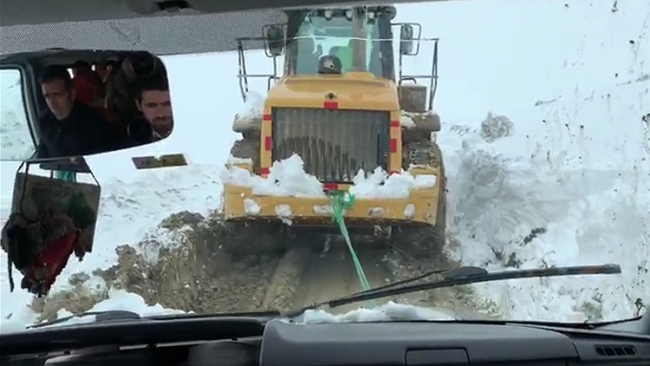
x=21, y=12
x=134, y=25
x=62, y=57
x=182, y=34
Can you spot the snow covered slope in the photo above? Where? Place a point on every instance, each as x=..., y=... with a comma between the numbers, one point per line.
x=563, y=180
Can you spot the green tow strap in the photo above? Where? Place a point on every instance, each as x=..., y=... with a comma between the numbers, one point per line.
x=340, y=202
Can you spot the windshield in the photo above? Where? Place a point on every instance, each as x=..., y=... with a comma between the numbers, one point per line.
x=534, y=154
x=322, y=36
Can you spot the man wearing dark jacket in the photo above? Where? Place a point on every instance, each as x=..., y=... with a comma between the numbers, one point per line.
x=155, y=121
x=68, y=127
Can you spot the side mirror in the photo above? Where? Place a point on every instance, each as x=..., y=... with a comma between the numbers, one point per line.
x=406, y=45
x=115, y=109
x=274, y=36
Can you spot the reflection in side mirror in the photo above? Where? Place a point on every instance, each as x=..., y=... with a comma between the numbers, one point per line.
x=406, y=39
x=275, y=40
x=78, y=103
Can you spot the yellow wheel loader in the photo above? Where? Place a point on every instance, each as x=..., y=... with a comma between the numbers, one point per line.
x=366, y=115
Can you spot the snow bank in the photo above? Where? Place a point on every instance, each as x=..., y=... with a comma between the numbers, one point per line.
x=287, y=178
x=546, y=193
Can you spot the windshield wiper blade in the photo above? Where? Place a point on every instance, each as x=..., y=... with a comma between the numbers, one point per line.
x=100, y=316
x=126, y=315
x=462, y=276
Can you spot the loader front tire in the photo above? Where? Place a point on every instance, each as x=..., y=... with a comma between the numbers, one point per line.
x=251, y=237
x=424, y=240
x=248, y=148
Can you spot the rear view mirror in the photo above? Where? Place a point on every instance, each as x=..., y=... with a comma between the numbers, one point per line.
x=274, y=36
x=62, y=103
x=406, y=39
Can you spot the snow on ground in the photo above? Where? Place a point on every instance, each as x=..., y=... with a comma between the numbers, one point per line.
x=557, y=175
x=125, y=220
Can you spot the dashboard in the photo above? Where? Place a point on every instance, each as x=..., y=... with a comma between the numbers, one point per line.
x=281, y=343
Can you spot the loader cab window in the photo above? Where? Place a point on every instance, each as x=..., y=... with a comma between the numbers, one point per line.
x=317, y=36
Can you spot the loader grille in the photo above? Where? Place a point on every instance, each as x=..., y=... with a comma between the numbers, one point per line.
x=334, y=144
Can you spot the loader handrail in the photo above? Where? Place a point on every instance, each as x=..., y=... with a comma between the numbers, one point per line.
x=242, y=74
x=432, y=77
x=401, y=77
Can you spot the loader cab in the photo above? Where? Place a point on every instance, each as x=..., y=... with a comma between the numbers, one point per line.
x=362, y=39
x=312, y=34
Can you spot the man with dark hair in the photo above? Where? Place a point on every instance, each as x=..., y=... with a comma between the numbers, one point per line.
x=122, y=84
x=155, y=121
x=68, y=127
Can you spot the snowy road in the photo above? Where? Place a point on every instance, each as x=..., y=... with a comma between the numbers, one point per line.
x=573, y=165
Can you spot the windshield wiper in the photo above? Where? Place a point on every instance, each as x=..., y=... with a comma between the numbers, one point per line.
x=461, y=276
x=100, y=316
x=125, y=315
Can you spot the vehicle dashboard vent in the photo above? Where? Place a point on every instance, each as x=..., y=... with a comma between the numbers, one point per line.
x=608, y=351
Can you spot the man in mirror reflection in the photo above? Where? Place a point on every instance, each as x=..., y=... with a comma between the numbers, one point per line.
x=68, y=127
x=154, y=122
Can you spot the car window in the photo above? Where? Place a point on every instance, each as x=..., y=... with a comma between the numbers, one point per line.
x=17, y=142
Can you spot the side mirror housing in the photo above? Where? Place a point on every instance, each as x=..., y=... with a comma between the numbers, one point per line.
x=274, y=36
x=406, y=45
